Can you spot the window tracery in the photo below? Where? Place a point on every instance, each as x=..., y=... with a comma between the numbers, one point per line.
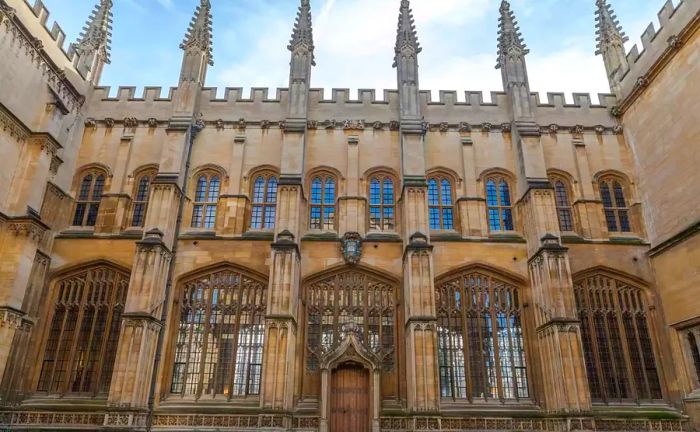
x=220, y=335
x=90, y=193
x=350, y=296
x=382, y=203
x=499, y=204
x=615, y=206
x=206, y=199
x=141, y=197
x=323, y=195
x=563, y=203
x=480, y=338
x=617, y=342
x=83, y=332
x=441, y=203
x=264, y=202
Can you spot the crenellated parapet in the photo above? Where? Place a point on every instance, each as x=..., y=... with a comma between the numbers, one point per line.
x=677, y=22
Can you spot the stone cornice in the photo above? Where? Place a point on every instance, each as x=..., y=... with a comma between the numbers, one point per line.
x=29, y=226
x=12, y=125
x=677, y=239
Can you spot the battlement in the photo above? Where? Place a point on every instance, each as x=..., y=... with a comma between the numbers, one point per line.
x=58, y=36
x=673, y=21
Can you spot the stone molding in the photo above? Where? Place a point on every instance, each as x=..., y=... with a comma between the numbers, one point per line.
x=12, y=125
x=11, y=318
x=27, y=226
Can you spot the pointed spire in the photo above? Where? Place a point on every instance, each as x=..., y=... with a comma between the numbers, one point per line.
x=303, y=35
x=510, y=41
x=406, y=36
x=97, y=33
x=199, y=34
x=608, y=29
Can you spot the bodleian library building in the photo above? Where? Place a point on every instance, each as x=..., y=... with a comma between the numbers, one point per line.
x=313, y=262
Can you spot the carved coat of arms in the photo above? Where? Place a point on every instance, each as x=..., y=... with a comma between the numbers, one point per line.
x=351, y=247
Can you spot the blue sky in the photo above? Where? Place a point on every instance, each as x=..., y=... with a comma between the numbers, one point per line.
x=354, y=40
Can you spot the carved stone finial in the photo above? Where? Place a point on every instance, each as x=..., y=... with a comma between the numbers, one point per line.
x=608, y=29
x=510, y=41
x=97, y=32
x=303, y=35
x=406, y=37
x=199, y=34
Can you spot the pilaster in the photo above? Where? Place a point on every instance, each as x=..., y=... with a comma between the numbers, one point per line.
x=32, y=173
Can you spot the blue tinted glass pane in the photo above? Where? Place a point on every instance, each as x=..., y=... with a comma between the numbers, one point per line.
x=142, y=194
x=389, y=220
x=505, y=193
x=375, y=195
x=388, y=192
x=197, y=216
x=433, y=195
x=270, y=217
x=139, y=213
x=447, y=220
x=491, y=194
x=256, y=217
x=508, y=220
x=375, y=218
x=316, y=191
x=435, y=218
x=315, y=221
x=85, y=189
x=565, y=220
x=214, y=186
x=210, y=217
x=259, y=190
x=624, y=221
x=328, y=218
x=271, y=190
x=605, y=195
x=99, y=188
x=446, y=192
x=329, y=192
x=494, y=220
x=619, y=195
x=201, y=193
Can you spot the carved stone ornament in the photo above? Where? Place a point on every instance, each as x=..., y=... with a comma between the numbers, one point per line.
x=109, y=122
x=241, y=124
x=378, y=125
x=90, y=123
x=152, y=122
x=265, y=124
x=351, y=247
x=220, y=124
x=642, y=81
x=425, y=126
x=354, y=125
x=505, y=127
x=600, y=129
x=464, y=127
x=200, y=125
x=615, y=111
x=553, y=128
x=329, y=124
x=394, y=125
x=444, y=127
x=282, y=124
x=486, y=127
x=131, y=122
x=617, y=129
x=674, y=42
x=578, y=129
x=312, y=124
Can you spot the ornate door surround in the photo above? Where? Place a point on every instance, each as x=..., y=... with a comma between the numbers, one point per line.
x=350, y=350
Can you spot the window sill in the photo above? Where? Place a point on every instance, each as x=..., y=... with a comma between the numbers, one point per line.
x=208, y=404
x=642, y=409
x=451, y=406
x=70, y=402
x=445, y=235
x=383, y=236
x=506, y=236
x=259, y=235
x=320, y=235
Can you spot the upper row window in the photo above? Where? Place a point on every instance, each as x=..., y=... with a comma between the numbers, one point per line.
x=206, y=198
x=499, y=203
x=615, y=204
x=322, y=211
x=88, y=204
x=440, y=203
x=264, y=202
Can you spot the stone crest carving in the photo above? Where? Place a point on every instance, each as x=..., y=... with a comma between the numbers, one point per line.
x=464, y=127
x=354, y=125
x=351, y=247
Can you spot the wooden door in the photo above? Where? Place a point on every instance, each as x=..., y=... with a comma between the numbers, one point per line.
x=350, y=396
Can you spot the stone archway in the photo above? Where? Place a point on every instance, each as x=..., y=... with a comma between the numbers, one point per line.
x=350, y=352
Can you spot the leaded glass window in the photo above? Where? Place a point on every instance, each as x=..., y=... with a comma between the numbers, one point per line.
x=693, y=340
x=382, y=204
x=563, y=203
x=89, y=196
x=220, y=335
x=264, y=202
x=83, y=333
x=322, y=209
x=345, y=297
x=615, y=206
x=206, y=198
x=140, y=204
x=440, y=203
x=481, y=350
x=499, y=204
x=617, y=343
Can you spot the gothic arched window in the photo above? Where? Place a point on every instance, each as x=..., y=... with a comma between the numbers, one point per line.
x=220, y=334
x=617, y=343
x=140, y=204
x=346, y=297
x=480, y=338
x=206, y=198
x=87, y=205
x=615, y=206
x=563, y=203
x=322, y=211
x=498, y=201
x=440, y=203
x=83, y=332
x=382, y=203
x=264, y=202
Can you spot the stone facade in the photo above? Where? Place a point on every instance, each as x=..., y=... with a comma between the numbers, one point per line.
x=179, y=262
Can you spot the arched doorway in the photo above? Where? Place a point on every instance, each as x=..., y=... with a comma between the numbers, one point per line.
x=349, y=402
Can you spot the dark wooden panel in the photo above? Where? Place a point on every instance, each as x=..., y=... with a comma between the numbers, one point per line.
x=350, y=400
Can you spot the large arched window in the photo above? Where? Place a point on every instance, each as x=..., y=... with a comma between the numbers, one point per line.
x=141, y=196
x=382, y=203
x=206, y=198
x=481, y=345
x=617, y=342
x=219, y=341
x=89, y=195
x=264, y=202
x=83, y=332
x=350, y=296
x=615, y=206
x=322, y=211
x=499, y=203
x=563, y=203
x=440, y=203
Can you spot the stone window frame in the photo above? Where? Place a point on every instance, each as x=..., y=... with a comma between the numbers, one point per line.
x=382, y=175
x=267, y=174
x=440, y=176
x=87, y=199
x=324, y=174
x=623, y=299
x=690, y=346
x=139, y=201
x=209, y=172
x=257, y=309
x=498, y=176
x=613, y=212
x=562, y=208
x=63, y=294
